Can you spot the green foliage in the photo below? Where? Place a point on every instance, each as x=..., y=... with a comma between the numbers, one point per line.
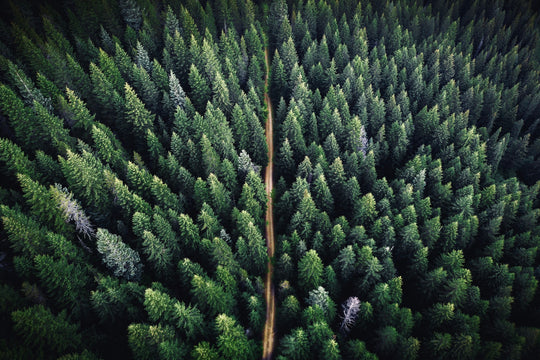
x=24, y=233
x=84, y=175
x=114, y=300
x=232, y=342
x=136, y=114
x=15, y=159
x=406, y=168
x=161, y=308
x=45, y=332
x=310, y=271
x=213, y=298
x=117, y=256
x=200, y=91
x=147, y=340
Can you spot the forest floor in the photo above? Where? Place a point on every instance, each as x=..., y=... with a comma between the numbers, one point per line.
x=269, y=293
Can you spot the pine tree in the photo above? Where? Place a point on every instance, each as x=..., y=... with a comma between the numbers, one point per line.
x=158, y=254
x=278, y=21
x=232, y=342
x=117, y=256
x=347, y=262
x=159, y=76
x=108, y=98
x=146, y=88
x=44, y=331
x=286, y=160
x=200, y=91
x=63, y=281
x=15, y=159
x=257, y=147
x=25, y=234
x=310, y=271
x=221, y=98
x=110, y=70
x=292, y=130
x=253, y=255
x=21, y=118
x=189, y=320
x=146, y=340
x=211, y=296
x=76, y=113
x=208, y=222
x=136, y=114
x=123, y=62
x=84, y=175
x=52, y=129
x=142, y=59
x=319, y=297
x=42, y=204
x=176, y=93
x=296, y=345
x=204, y=351
x=209, y=157
x=278, y=80
x=331, y=350
x=288, y=55
x=158, y=305
x=220, y=197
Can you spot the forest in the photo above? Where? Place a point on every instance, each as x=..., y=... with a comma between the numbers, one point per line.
x=404, y=184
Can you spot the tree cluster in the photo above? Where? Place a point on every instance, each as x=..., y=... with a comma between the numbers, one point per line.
x=406, y=200
x=407, y=189
x=132, y=143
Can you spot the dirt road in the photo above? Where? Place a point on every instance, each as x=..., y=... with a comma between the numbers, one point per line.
x=269, y=293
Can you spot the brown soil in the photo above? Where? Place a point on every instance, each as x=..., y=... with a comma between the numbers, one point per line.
x=269, y=292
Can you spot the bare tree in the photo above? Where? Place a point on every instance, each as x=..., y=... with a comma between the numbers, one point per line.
x=73, y=211
x=350, y=312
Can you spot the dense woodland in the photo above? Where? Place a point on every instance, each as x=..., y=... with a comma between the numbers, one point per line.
x=132, y=153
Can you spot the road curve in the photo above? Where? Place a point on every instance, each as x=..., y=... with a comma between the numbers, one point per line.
x=269, y=292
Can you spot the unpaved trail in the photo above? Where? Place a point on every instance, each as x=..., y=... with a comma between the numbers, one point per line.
x=269, y=292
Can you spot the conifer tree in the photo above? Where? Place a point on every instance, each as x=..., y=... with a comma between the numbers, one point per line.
x=136, y=115
x=146, y=88
x=177, y=94
x=213, y=298
x=310, y=271
x=15, y=159
x=108, y=98
x=84, y=175
x=232, y=342
x=117, y=256
x=200, y=91
x=44, y=331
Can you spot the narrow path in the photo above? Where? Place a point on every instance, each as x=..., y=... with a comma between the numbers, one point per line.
x=269, y=292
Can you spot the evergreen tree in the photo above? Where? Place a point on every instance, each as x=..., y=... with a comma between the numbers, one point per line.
x=84, y=175
x=296, y=345
x=212, y=297
x=406, y=159
x=158, y=254
x=146, y=340
x=15, y=159
x=176, y=93
x=117, y=256
x=45, y=332
x=107, y=97
x=76, y=113
x=110, y=70
x=146, y=88
x=136, y=115
x=310, y=271
x=232, y=342
x=221, y=98
x=200, y=91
